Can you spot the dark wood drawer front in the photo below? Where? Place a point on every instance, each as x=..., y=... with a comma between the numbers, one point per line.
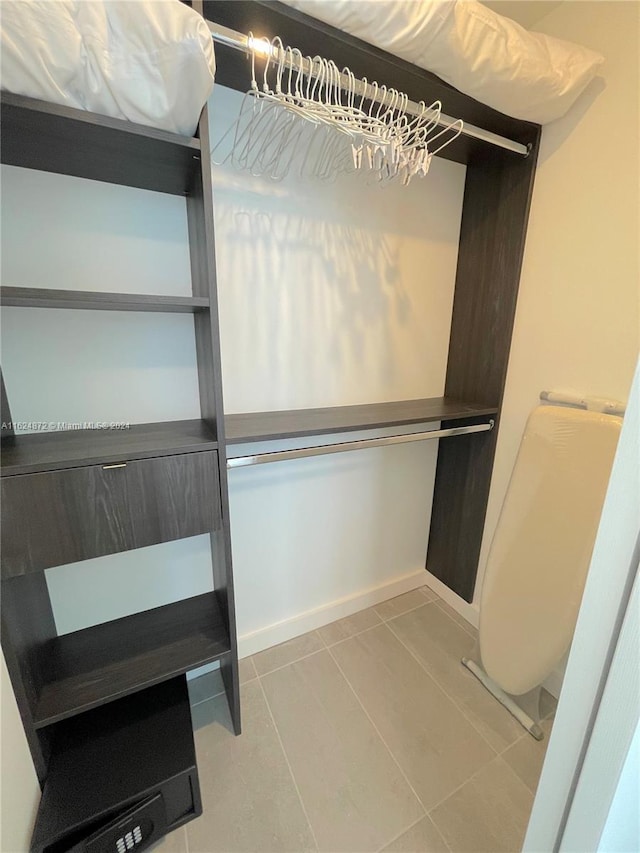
x=172, y=497
x=61, y=517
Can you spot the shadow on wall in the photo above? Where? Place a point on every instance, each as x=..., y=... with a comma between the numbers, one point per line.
x=342, y=274
x=331, y=292
x=315, y=290
x=555, y=134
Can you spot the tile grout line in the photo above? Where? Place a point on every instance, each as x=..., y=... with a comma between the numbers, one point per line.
x=208, y=699
x=326, y=645
x=517, y=740
x=415, y=823
x=446, y=693
x=382, y=619
x=430, y=595
x=186, y=838
x=286, y=758
x=471, y=778
x=357, y=634
x=404, y=612
x=467, y=627
x=377, y=731
x=288, y=663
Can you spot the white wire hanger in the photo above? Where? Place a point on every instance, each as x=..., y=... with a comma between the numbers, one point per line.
x=306, y=117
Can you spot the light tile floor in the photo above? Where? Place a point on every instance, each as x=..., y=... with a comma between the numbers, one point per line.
x=366, y=735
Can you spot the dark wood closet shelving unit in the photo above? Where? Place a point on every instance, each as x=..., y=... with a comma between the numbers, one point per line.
x=85, y=507
x=53, y=138
x=81, y=493
x=42, y=297
x=297, y=423
x=94, y=666
x=495, y=212
x=130, y=731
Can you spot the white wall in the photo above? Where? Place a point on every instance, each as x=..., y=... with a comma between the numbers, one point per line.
x=19, y=790
x=330, y=295
x=577, y=317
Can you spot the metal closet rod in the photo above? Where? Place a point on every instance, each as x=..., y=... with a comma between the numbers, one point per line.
x=238, y=41
x=359, y=444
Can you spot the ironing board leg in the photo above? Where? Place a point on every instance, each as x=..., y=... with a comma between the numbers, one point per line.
x=515, y=710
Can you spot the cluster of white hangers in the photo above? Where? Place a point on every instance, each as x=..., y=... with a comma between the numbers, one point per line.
x=307, y=117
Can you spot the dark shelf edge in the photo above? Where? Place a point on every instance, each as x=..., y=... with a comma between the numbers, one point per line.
x=115, y=627
x=47, y=108
x=44, y=722
x=156, y=448
x=298, y=423
x=39, y=297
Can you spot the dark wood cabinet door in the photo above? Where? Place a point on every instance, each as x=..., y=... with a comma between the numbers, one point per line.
x=62, y=517
x=172, y=497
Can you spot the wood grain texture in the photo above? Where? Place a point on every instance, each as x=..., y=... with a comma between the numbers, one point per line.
x=97, y=665
x=27, y=626
x=49, y=520
x=494, y=223
x=43, y=297
x=38, y=135
x=492, y=236
x=201, y=225
x=108, y=759
x=173, y=497
x=264, y=426
x=76, y=514
x=312, y=37
x=51, y=451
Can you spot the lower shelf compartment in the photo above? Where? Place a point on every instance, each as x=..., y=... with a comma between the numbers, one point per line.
x=120, y=776
x=87, y=668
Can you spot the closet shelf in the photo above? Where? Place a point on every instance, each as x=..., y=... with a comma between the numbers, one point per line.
x=103, y=762
x=296, y=423
x=53, y=138
x=42, y=297
x=73, y=448
x=94, y=666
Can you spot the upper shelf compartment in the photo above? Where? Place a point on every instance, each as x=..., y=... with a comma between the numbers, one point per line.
x=52, y=138
x=263, y=426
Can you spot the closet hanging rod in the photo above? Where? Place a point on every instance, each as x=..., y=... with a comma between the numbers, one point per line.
x=238, y=41
x=359, y=444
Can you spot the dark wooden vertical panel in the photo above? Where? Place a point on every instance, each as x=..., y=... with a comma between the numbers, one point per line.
x=27, y=624
x=463, y=478
x=203, y=278
x=495, y=213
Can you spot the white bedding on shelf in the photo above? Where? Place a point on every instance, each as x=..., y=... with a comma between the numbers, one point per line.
x=148, y=62
x=524, y=74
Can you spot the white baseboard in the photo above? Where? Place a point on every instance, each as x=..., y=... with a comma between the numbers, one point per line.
x=287, y=629
x=470, y=612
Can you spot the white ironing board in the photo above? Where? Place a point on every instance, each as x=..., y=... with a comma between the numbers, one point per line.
x=542, y=546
